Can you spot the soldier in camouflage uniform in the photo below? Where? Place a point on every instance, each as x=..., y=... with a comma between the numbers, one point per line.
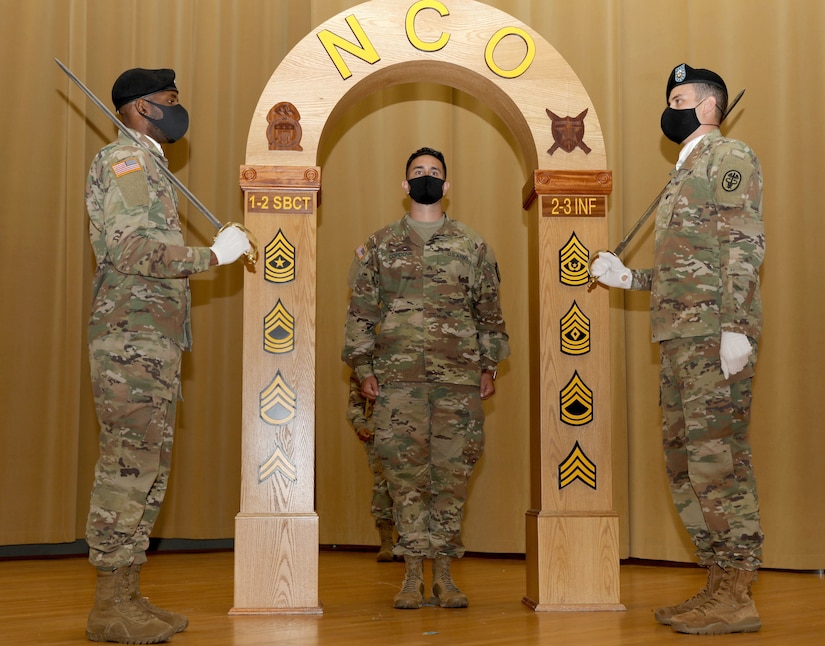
x=706, y=315
x=424, y=335
x=359, y=415
x=139, y=326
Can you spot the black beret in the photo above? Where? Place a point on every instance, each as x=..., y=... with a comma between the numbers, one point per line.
x=684, y=74
x=136, y=83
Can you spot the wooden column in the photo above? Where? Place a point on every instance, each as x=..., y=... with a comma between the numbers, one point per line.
x=572, y=530
x=276, y=531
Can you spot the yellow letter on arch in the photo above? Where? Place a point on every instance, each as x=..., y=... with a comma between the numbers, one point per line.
x=412, y=12
x=366, y=51
x=528, y=57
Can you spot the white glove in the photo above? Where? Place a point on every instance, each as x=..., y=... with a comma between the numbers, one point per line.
x=610, y=271
x=734, y=352
x=230, y=244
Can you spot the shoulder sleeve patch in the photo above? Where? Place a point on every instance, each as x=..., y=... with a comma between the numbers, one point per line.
x=132, y=184
x=732, y=179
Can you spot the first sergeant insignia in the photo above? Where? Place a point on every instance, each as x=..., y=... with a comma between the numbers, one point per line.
x=575, y=332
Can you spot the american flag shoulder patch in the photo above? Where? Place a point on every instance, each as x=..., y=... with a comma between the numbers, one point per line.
x=360, y=252
x=126, y=166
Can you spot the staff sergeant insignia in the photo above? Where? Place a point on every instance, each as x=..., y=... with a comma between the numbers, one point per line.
x=125, y=167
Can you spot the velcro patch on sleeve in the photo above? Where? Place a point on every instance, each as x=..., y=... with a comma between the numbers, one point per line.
x=134, y=188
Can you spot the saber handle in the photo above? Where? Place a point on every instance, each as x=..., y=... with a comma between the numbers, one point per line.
x=632, y=233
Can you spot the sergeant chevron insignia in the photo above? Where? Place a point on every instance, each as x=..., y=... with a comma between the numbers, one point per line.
x=575, y=332
x=576, y=402
x=279, y=330
x=278, y=461
x=278, y=402
x=573, y=262
x=280, y=260
x=577, y=466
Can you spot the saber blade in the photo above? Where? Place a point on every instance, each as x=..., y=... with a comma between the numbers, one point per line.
x=163, y=169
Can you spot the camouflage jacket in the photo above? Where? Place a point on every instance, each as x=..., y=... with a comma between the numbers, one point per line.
x=709, y=245
x=425, y=311
x=140, y=282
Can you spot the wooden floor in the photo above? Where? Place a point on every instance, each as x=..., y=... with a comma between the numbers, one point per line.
x=45, y=601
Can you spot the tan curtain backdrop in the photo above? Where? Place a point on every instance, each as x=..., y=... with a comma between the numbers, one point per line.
x=224, y=51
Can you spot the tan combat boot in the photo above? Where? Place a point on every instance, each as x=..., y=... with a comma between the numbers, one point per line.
x=411, y=596
x=385, y=531
x=116, y=618
x=730, y=610
x=445, y=593
x=665, y=614
x=178, y=621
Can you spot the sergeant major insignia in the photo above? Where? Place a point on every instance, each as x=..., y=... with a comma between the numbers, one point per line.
x=280, y=260
x=573, y=263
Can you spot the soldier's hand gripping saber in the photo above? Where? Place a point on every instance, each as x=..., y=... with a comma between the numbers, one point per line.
x=650, y=209
x=251, y=256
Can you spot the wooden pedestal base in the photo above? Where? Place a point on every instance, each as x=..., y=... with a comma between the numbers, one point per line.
x=572, y=562
x=276, y=564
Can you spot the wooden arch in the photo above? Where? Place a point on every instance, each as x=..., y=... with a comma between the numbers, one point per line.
x=572, y=530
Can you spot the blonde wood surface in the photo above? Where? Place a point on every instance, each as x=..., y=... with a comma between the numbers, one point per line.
x=276, y=531
x=527, y=83
x=45, y=602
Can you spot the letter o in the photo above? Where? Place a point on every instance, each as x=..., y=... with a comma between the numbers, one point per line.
x=497, y=38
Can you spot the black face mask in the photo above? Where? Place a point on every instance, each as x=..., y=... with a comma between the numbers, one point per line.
x=174, y=123
x=426, y=189
x=678, y=125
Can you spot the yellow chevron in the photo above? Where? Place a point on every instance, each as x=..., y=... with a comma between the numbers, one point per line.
x=573, y=259
x=278, y=402
x=280, y=260
x=278, y=461
x=577, y=466
x=576, y=402
x=575, y=332
x=279, y=330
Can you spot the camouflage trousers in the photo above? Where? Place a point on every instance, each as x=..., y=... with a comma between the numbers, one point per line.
x=381, y=505
x=708, y=453
x=136, y=383
x=429, y=438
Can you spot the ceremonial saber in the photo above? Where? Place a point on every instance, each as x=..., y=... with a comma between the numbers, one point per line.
x=650, y=209
x=251, y=255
